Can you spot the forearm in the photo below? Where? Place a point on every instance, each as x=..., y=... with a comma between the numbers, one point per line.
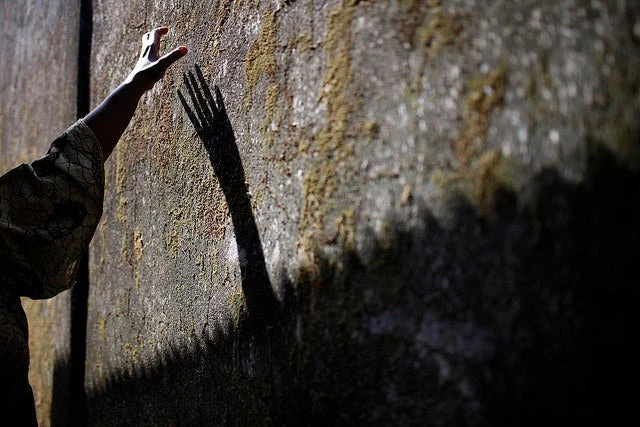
x=109, y=120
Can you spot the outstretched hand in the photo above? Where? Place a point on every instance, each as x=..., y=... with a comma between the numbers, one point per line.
x=151, y=66
x=109, y=119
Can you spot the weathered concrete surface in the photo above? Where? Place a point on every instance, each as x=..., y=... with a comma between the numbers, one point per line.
x=445, y=194
x=38, y=47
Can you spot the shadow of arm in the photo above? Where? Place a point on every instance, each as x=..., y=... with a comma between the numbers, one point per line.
x=211, y=122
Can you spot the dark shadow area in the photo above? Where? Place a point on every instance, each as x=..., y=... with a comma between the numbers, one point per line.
x=60, y=393
x=524, y=316
x=68, y=400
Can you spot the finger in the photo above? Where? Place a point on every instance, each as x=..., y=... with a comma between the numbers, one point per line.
x=150, y=42
x=206, y=90
x=171, y=57
x=154, y=39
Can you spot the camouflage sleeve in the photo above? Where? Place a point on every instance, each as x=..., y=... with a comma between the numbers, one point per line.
x=49, y=210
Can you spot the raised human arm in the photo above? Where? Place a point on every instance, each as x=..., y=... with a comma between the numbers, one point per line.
x=109, y=120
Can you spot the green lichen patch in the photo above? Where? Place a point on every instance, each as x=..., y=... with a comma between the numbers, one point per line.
x=169, y=130
x=429, y=30
x=270, y=106
x=260, y=58
x=224, y=7
x=121, y=173
x=427, y=26
x=138, y=249
x=484, y=93
x=346, y=227
x=304, y=43
x=214, y=211
x=441, y=30
x=330, y=145
x=477, y=172
x=138, y=244
x=173, y=239
x=368, y=130
x=132, y=250
x=261, y=61
x=491, y=174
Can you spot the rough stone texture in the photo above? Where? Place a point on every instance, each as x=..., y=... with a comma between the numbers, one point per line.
x=445, y=196
x=38, y=47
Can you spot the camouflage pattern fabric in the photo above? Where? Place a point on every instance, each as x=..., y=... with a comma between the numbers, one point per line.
x=49, y=210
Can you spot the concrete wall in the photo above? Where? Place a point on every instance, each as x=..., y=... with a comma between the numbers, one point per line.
x=412, y=212
x=432, y=184
x=38, y=51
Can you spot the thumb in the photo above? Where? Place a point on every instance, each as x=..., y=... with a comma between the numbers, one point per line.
x=166, y=60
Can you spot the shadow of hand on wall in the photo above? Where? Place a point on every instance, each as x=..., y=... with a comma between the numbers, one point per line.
x=212, y=124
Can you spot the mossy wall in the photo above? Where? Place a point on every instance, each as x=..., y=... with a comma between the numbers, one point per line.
x=439, y=189
x=435, y=223
x=38, y=51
